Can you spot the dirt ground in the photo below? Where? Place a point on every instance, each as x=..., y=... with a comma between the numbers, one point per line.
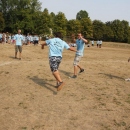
x=99, y=99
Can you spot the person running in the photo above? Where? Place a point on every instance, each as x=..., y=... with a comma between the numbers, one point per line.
x=18, y=44
x=56, y=46
x=80, y=42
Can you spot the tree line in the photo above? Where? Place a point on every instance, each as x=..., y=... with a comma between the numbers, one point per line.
x=27, y=16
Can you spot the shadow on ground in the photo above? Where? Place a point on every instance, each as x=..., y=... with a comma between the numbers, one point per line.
x=112, y=76
x=68, y=74
x=43, y=83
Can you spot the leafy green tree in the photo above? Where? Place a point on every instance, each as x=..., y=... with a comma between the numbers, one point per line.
x=2, y=22
x=117, y=30
x=98, y=29
x=18, y=14
x=125, y=28
x=42, y=22
x=108, y=33
x=60, y=22
x=87, y=27
x=129, y=36
x=73, y=27
x=52, y=15
x=82, y=14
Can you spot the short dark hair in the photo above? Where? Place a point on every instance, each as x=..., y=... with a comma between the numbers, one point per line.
x=58, y=34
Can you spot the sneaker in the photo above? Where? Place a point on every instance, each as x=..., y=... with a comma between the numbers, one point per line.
x=57, y=84
x=81, y=70
x=60, y=86
x=74, y=76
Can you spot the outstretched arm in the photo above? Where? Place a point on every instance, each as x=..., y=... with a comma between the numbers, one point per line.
x=43, y=44
x=72, y=49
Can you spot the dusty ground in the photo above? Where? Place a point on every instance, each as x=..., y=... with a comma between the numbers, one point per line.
x=99, y=99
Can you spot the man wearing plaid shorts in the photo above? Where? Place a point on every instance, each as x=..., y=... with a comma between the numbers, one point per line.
x=56, y=46
x=80, y=42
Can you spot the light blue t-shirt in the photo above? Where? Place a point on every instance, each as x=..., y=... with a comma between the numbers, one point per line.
x=56, y=46
x=100, y=42
x=36, y=38
x=18, y=38
x=0, y=35
x=80, y=47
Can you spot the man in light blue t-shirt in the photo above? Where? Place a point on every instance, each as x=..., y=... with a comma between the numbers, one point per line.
x=80, y=42
x=18, y=44
x=56, y=46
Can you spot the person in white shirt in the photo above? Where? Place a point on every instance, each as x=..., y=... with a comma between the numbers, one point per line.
x=92, y=42
x=18, y=44
x=100, y=43
x=97, y=43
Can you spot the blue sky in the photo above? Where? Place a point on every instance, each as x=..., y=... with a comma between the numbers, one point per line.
x=104, y=10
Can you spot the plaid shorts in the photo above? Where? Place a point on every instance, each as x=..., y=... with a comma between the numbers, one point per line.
x=77, y=60
x=54, y=62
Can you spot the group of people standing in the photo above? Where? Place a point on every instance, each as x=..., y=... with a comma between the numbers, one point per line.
x=27, y=40
x=99, y=43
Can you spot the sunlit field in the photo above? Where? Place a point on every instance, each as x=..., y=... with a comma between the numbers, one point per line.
x=99, y=99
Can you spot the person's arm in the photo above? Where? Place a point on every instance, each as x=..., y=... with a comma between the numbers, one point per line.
x=43, y=44
x=84, y=40
x=72, y=49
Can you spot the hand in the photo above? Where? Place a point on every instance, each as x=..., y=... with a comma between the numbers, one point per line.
x=42, y=46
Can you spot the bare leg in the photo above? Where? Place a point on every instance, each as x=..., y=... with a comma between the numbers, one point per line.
x=15, y=54
x=57, y=76
x=20, y=55
x=75, y=70
x=79, y=66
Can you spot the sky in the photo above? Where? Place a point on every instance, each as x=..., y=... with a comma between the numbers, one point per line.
x=104, y=10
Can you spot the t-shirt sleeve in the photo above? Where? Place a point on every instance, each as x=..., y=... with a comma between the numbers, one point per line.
x=66, y=46
x=14, y=37
x=47, y=42
x=22, y=37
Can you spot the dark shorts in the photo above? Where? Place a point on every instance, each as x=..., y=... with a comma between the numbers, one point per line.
x=18, y=48
x=54, y=62
x=35, y=42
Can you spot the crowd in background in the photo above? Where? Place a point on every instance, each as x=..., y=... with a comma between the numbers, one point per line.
x=27, y=39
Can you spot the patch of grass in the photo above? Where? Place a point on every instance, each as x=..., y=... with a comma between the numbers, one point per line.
x=120, y=123
x=128, y=99
x=21, y=104
x=105, y=127
x=117, y=102
x=6, y=108
x=24, y=128
x=38, y=127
